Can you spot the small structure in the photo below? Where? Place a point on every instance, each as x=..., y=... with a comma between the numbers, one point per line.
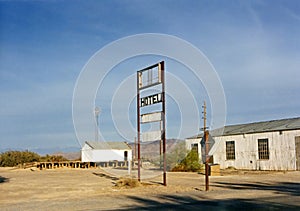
x=268, y=145
x=105, y=151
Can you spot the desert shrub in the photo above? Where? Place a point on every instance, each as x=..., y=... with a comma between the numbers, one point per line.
x=53, y=158
x=127, y=183
x=176, y=155
x=14, y=158
x=189, y=163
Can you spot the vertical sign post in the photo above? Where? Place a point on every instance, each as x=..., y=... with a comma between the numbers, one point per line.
x=138, y=125
x=147, y=78
x=163, y=135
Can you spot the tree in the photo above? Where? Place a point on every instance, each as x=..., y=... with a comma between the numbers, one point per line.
x=14, y=158
x=189, y=163
x=177, y=154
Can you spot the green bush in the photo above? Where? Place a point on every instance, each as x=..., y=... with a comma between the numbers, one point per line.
x=179, y=159
x=189, y=163
x=176, y=155
x=14, y=158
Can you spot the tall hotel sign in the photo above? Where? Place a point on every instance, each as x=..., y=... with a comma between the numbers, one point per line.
x=147, y=78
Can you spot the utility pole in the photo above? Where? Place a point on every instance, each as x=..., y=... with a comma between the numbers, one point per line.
x=97, y=112
x=134, y=149
x=206, y=147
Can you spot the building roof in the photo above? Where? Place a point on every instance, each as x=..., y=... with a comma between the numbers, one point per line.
x=260, y=127
x=108, y=145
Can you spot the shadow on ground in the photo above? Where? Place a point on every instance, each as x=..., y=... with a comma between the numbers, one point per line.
x=3, y=179
x=290, y=188
x=198, y=202
x=106, y=176
x=171, y=202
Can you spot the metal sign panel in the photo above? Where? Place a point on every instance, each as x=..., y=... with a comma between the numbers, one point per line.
x=151, y=136
x=150, y=76
x=152, y=99
x=211, y=143
x=151, y=117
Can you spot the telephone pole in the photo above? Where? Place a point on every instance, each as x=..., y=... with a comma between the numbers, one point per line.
x=97, y=112
x=206, y=147
x=204, y=116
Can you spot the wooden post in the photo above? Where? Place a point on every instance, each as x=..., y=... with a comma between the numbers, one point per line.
x=206, y=148
x=206, y=162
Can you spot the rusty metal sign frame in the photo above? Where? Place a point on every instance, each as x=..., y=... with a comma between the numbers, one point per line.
x=152, y=99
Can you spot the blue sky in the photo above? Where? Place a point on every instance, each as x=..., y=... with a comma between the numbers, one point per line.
x=253, y=45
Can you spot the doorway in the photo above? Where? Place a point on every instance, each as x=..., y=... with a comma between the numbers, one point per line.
x=125, y=155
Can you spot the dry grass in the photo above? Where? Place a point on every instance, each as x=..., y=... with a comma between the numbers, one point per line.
x=81, y=189
x=127, y=183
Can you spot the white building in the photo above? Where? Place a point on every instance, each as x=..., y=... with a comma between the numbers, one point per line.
x=270, y=145
x=105, y=151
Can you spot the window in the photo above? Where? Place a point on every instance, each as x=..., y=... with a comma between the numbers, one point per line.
x=263, y=149
x=195, y=147
x=230, y=150
x=125, y=155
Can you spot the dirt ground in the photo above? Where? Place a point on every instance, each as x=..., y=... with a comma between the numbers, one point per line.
x=94, y=189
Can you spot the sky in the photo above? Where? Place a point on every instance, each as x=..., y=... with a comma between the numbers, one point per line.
x=254, y=47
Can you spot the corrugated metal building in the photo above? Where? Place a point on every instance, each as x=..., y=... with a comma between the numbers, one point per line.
x=269, y=145
x=105, y=151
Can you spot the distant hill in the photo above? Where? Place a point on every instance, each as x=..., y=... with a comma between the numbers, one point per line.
x=148, y=149
x=151, y=149
x=69, y=155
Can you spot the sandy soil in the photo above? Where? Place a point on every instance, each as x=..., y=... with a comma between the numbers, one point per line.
x=94, y=189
